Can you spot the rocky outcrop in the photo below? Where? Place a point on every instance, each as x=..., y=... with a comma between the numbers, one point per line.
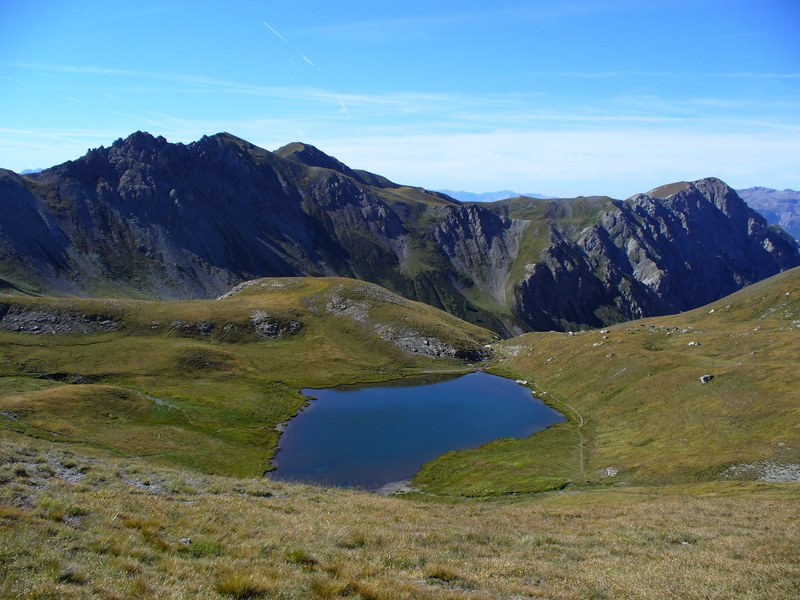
x=670, y=250
x=480, y=245
x=267, y=326
x=47, y=321
x=146, y=218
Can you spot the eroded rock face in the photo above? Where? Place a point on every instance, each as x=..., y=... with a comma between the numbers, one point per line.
x=267, y=326
x=480, y=245
x=40, y=321
x=781, y=207
x=673, y=249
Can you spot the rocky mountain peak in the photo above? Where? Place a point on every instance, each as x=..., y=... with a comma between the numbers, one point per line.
x=139, y=143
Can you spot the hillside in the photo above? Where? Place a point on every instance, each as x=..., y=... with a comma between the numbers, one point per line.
x=148, y=219
x=111, y=439
x=639, y=412
x=204, y=384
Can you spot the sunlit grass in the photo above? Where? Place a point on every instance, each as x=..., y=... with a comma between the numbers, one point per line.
x=259, y=538
x=106, y=492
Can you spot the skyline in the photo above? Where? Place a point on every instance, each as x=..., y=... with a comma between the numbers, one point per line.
x=605, y=97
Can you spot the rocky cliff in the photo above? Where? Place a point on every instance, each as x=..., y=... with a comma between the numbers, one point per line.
x=148, y=218
x=674, y=248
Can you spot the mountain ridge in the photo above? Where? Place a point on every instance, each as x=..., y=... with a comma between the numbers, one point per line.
x=147, y=218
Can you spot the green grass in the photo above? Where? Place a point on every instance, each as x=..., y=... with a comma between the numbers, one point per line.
x=101, y=483
x=208, y=402
x=545, y=461
x=646, y=416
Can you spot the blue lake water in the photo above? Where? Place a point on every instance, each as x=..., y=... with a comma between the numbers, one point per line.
x=367, y=437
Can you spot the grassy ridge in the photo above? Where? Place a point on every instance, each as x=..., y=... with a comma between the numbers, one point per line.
x=647, y=418
x=190, y=383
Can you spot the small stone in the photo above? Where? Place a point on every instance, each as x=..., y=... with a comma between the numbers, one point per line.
x=706, y=378
x=693, y=344
x=186, y=541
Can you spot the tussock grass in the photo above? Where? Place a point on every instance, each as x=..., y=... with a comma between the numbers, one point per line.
x=710, y=540
x=243, y=583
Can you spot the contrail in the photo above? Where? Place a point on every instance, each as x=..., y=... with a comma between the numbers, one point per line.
x=305, y=58
x=344, y=108
x=272, y=29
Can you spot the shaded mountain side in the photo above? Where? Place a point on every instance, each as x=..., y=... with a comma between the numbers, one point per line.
x=669, y=250
x=147, y=218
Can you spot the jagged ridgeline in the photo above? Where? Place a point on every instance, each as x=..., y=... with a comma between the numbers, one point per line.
x=150, y=219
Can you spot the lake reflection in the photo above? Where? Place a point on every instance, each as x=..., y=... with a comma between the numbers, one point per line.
x=367, y=437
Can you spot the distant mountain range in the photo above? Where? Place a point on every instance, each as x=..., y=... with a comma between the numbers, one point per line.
x=489, y=196
x=777, y=206
x=148, y=218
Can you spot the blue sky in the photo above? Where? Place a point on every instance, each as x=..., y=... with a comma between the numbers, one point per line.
x=562, y=98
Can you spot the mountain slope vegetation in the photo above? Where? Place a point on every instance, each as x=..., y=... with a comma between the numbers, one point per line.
x=112, y=434
x=638, y=410
x=205, y=384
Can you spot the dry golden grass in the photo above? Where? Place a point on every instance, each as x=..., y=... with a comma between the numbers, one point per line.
x=120, y=529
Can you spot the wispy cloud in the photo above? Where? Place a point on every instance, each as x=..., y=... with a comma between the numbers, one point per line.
x=658, y=74
x=402, y=28
x=196, y=83
x=138, y=118
x=455, y=112
x=750, y=75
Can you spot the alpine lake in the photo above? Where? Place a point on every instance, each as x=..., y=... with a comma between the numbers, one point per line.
x=378, y=436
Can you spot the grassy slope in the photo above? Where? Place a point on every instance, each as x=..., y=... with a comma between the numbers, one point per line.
x=74, y=521
x=209, y=402
x=73, y=524
x=645, y=413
